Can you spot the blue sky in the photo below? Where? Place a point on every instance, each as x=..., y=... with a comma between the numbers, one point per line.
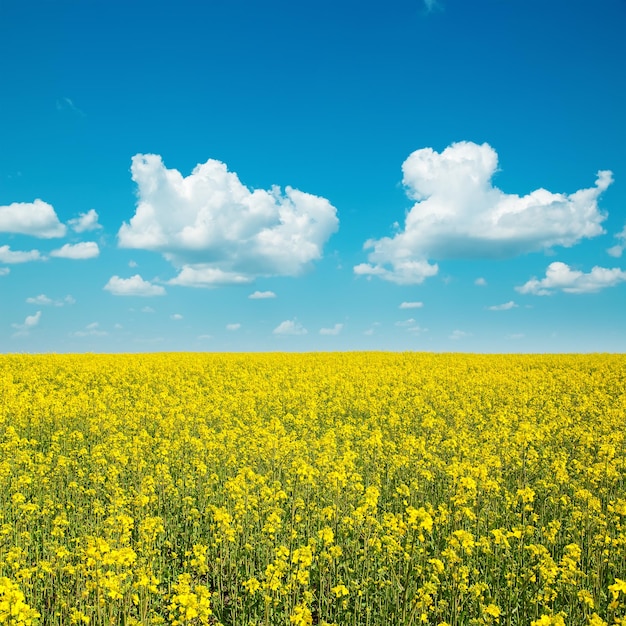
x=233, y=176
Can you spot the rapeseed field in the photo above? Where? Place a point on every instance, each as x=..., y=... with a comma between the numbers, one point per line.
x=313, y=489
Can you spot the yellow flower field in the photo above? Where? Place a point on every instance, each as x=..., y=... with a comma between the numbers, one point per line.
x=301, y=489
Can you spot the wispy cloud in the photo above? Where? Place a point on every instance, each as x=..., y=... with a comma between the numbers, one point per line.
x=335, y=330
x=503, y=307
x=43, y=300
x=27, y=325
x=262, y=295
x=290, y=327
x=411, y=305
x=77, y=251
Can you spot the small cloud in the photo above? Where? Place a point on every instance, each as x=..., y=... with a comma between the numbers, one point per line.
x=290, y=327
x=480, y=282
x=369, y=332
x=29, y=323
x=503, y=307
x=406, y=323
x=617, y=250
x=43, y=300
x=417, y=330
x=515, y=336
x=4, y=271
x=147, y=309
x=559, y=276
x=39, y=300
x=91, y=330
x=118, y=326
x=411, y=305
x=77, y=251
x=202, y=275
x=335, y=330
x=18, y=256
x=85, y=222
x=132, y=263
x=67, y=104
x=176, y=316
x=37, y=219
x=262, y=295
x=133, y=286
x=432, y=5
x=205, y=337
x=459, y=334
x=233, y=326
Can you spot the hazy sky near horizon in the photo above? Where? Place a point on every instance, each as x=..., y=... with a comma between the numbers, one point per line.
x=436, y=175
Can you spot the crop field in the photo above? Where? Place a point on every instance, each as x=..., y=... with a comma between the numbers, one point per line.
x=313, y=489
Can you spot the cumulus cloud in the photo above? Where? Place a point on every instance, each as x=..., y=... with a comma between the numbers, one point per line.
x=233, y=326
x=37, y=219
x=290, y=327
x=18, y=256
x=176, y=316
x=4, y=271
x=617, y=250
x=133, y=286
x=262, y=295
x=480, y=282
x=43, y=300
x=215, y=230
x=458, y=334
x=85, y=221
x=335, y=330
x=76, y=251
x=503, y=307
x=29, y=323
x=560, y=277
x=459, y=213
x=411, y=305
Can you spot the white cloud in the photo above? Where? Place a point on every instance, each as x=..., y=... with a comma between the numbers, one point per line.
x=85, y=221
x=515, y=336
x=411, y=305
x=91, y=330
x=405, y=323
x=417, y=329
x=559, y=276
x=617, y=250
x=369, y=332
x=459, y=334
x=233, y=326
x=335, y=330
x=76, y=251
x=205, y=275
x=147, y=309
x=262, y=295
x=217, y=231
x=37, y=219
x=132, y=263
x=4, y=271
x=176, y=316
x=458, y=213
x=290, y=327
x=480, y=282
x=503, y=307
x=29, y=323
x=18, y=256
x=133, y=286
x=43, y=300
